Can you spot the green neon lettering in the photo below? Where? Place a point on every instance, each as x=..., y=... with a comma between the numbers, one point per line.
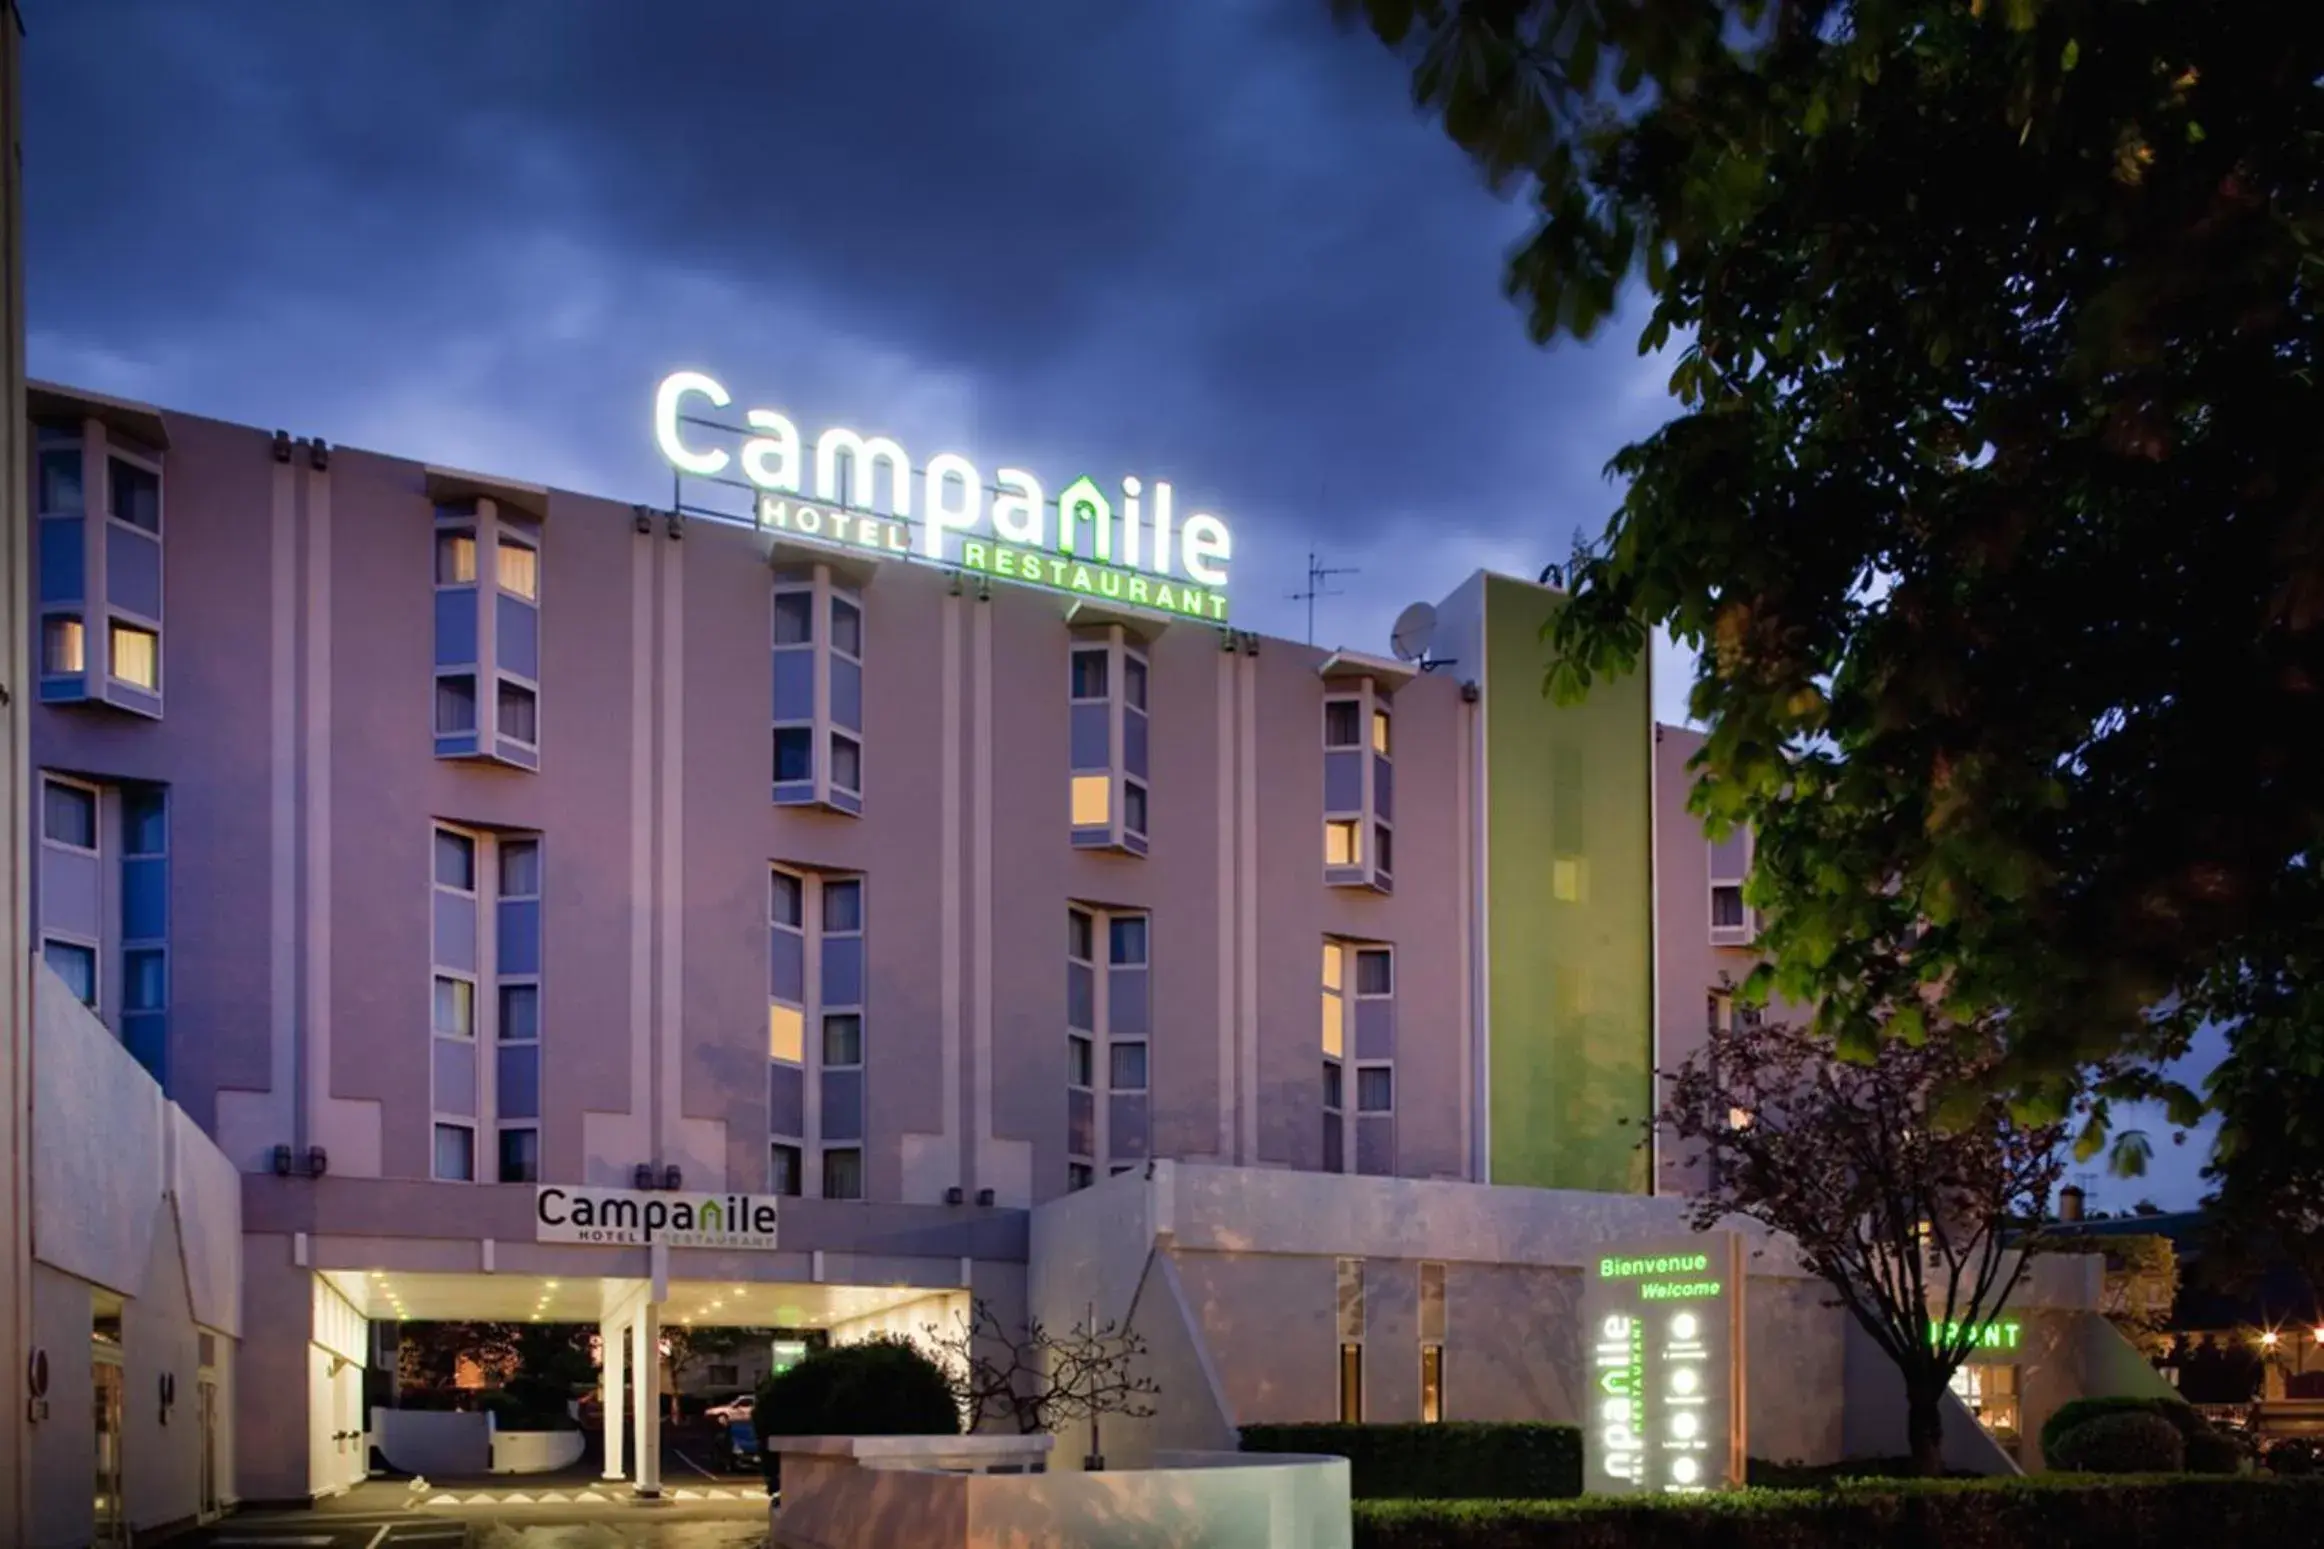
x=1666, y=1264
x=972, y=554
x=1137, y=588
x=1080, y=581
x=1190, y=601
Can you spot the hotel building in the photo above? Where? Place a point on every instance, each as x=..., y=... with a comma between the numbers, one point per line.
x=434, y=840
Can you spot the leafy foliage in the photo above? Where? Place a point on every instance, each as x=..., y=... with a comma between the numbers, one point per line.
x=1994, y=505
x=2127, y=1443
x=2053, y=1511
x=2267, y=1166
x=2141, y=1286
x=2075, y=1413
x=1899, y=1179
x=876, y=1387
x=1450, y=1461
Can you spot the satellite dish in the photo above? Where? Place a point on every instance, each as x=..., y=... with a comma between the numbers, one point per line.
x=1414, y=633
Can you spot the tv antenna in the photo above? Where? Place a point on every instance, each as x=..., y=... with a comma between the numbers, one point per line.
x=1317, y=574
x=1412, y=636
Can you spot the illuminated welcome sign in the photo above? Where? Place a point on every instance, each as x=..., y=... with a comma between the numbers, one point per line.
x=1663, y=1346
x=864, y=494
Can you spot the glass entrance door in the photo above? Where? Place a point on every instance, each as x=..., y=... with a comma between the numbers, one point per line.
x=112, y=1513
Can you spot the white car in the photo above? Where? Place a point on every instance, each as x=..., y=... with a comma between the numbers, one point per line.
x=733, y=1409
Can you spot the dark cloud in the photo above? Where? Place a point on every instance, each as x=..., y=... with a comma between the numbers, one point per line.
x=1206, y=241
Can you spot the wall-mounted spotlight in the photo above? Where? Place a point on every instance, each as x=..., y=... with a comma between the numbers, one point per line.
x=1250, y=643
x=318, y=1161
x=644, y=518
x=953, y=1196
x=672, y=1178
x=955, y=583
x=644, y=1176
x=1470, y=693
x=319, y=454
x=677, y=524
x=282, y=446
x=1226, y=641
x=282, y=1161
x=984, y=590
x=984, y=1196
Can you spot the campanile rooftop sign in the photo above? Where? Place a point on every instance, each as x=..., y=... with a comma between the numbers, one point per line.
x=1123, y=544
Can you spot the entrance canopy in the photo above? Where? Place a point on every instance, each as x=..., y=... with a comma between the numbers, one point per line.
x=390, y=1296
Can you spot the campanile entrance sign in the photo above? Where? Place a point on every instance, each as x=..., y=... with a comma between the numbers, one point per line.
x=1662, y=1330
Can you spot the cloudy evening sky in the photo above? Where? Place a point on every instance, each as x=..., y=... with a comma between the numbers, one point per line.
x=1207, y=241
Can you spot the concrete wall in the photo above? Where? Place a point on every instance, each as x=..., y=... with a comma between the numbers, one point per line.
x=129, y=1201
x=438, y=1444
x=15, y=812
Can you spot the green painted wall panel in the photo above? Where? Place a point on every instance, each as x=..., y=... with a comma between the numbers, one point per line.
x=1569, y=913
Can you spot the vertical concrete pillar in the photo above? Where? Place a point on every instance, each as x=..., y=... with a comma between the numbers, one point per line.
x=645, y=1362
x=610, y=1342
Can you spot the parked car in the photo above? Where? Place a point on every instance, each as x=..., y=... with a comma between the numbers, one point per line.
x=733, y=1410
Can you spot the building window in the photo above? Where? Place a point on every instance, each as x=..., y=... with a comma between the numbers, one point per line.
x=1351, y=1340
x=1079, y=1175
x=76, y=965
x=456, y=1153
x=69, y=815
x=1107, y=738
x=485, y=1021
x=1991, y=1393
x=1431, y=1343
x=1359, y=1029
x=842, y=1172
x=816, y=985
x=1727, y=909
x=818, y=642
x=64, y=645
x=1431, y=1384
x=488, y=633
x=1731, y=924
x=520, y=1155
x=1108, y=1002
x=1335, y=1048
x=136, y=493
x=1374, y=1090
x=783, y=1169
x=136, y=656
x=1359, y=842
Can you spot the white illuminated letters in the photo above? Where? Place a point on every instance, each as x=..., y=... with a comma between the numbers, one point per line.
x=1665, y=1356
x=1089, y=542
x=673, y=392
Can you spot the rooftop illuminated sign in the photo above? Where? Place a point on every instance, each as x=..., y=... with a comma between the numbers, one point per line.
x=1121, y=545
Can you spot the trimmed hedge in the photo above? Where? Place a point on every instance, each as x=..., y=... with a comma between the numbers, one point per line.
x=1454, y=1461
x=2057, y=1512
x=879, y=1387
x=2208, y=1449
x=2132, y=1442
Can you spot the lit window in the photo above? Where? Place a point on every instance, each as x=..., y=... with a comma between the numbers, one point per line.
x=1738, y=1118
x=1134, y=682
x=136, y=656
x=794, y=754
x=136, y=494
x=455, y=559
x=520, y=1156
x=1380, y=731
x=1431, y=1384
x=1341, y=844
x=64, y=646
x=456, y=1153
x=1089, y=674
x=76, y=965
x=1342, y=723
x=842, y=1039
x=1133, y=807
x=68, y=815
x=520, y=570
x=455, y=1007
x=1351, y=1384
x=1079, y=1061
x=455, y=861
x=843, y=906
x=1331, y=965
x=1126, y=1068
x=1375, y=972
x=520, y=710
x=1128, y=933
x=795, y=617
x=846, y=627
x=783, y=1170
x=455, y=704
x=1089, y=800
x=842, y=1173
x=1334, y=1025
x=786, y=1033
x=846, y=763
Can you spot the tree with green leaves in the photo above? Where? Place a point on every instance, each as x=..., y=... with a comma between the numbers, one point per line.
x=1993, y=503
x=2267, y=1165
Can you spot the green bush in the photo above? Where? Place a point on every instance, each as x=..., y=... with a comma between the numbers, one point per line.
x=880, y=1387
x=2214, y=1451
x=2296, y=1457
x=1454, y=1461
x=2133, y=1442
x=2076, y=1412
x=1762, y=1474
x=2054, y=1512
